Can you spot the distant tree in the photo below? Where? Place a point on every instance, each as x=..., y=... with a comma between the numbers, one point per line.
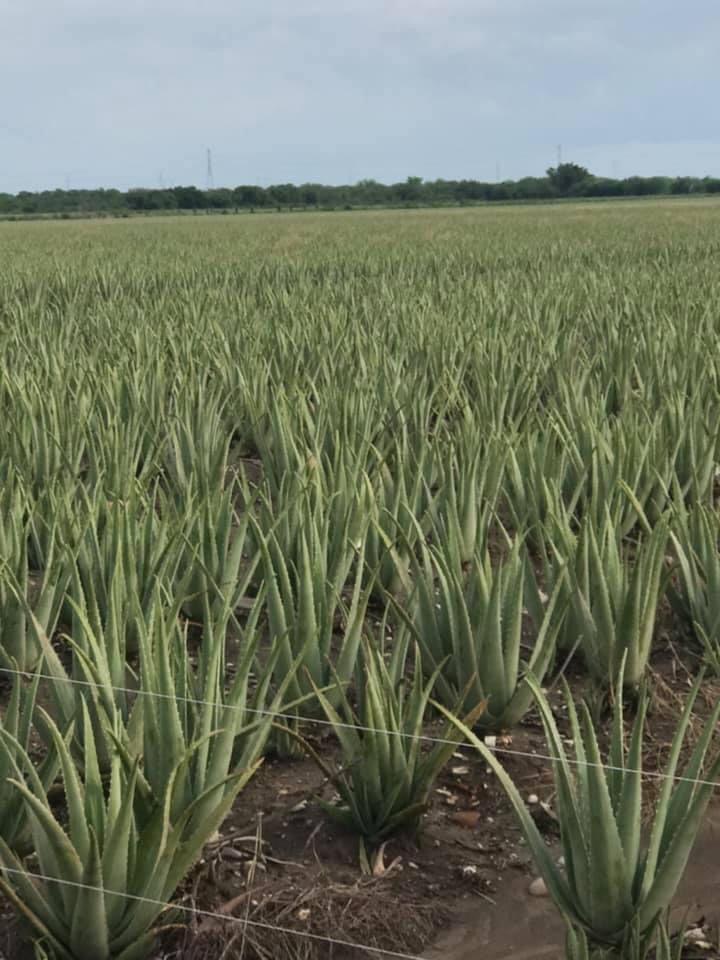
x=219, y=199
x=659, y=185
x=685, y=185
x=567, y=177
x=566, y=180
x=411, y=190
x=533, y=188
x=603, y=187
x=28, y=202
x=309, y=193
x=645, y=186
x=370, y=191
x=189, y=198
x=141, y=199
x=249, y=196
x=470, y=190
x=326, y=196
x=499, y=191
x=284, y=194
x=439, y=191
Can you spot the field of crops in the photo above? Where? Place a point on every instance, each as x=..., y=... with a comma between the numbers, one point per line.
x=335, y=493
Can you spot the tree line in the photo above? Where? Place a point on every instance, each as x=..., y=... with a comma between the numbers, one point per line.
x=564, y=181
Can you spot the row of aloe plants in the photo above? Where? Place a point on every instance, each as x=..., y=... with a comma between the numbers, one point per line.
x=464, y=614
x=458, y=580
x=502, y=449
x=150, y=758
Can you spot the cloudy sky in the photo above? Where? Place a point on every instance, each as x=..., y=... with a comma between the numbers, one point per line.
x=132, y=92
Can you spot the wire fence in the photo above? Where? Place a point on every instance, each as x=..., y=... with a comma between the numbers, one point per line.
x=215, y=915
x=293, y=717
x=246, y=922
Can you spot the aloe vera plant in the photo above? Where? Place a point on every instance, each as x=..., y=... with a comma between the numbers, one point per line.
x=670, y=947
x=97, y=675
x=198, y=441
x=174, y=699
x=46, y=438
x=545, y=475
x=325, y=505
x=468, y=488
x=469, y=627
x=181, y=704
x=304, y=601
x=16, y=728
x=385, y=776
x=101, y=882
x=616, y=882
x=612, y=598
x=399, y=504
x=123, y=447
x=692, y=423
x=696, y=596
x=281, y=452
x=23, y=590
x=629, y=453
x=634, y=947
x=213, y=561
x=124, y=551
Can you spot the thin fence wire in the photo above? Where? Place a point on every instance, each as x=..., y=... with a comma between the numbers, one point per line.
x=293, y=717
x=215, y=915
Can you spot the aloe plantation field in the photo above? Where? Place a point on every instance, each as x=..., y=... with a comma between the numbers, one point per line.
x=360, y=584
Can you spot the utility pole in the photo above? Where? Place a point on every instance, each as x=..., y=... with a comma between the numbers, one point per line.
x=497, y=172
x=559, y=154
x=210, y=181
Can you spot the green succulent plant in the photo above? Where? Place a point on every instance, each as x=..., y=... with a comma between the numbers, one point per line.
x=616, y=882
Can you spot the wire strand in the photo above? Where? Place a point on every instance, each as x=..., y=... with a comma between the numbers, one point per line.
x=505, y=751
x=214, y=915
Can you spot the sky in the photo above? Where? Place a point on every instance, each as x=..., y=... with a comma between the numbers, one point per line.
x=124, y=93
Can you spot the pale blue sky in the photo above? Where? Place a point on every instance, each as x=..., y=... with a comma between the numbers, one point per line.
x=132, y=92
